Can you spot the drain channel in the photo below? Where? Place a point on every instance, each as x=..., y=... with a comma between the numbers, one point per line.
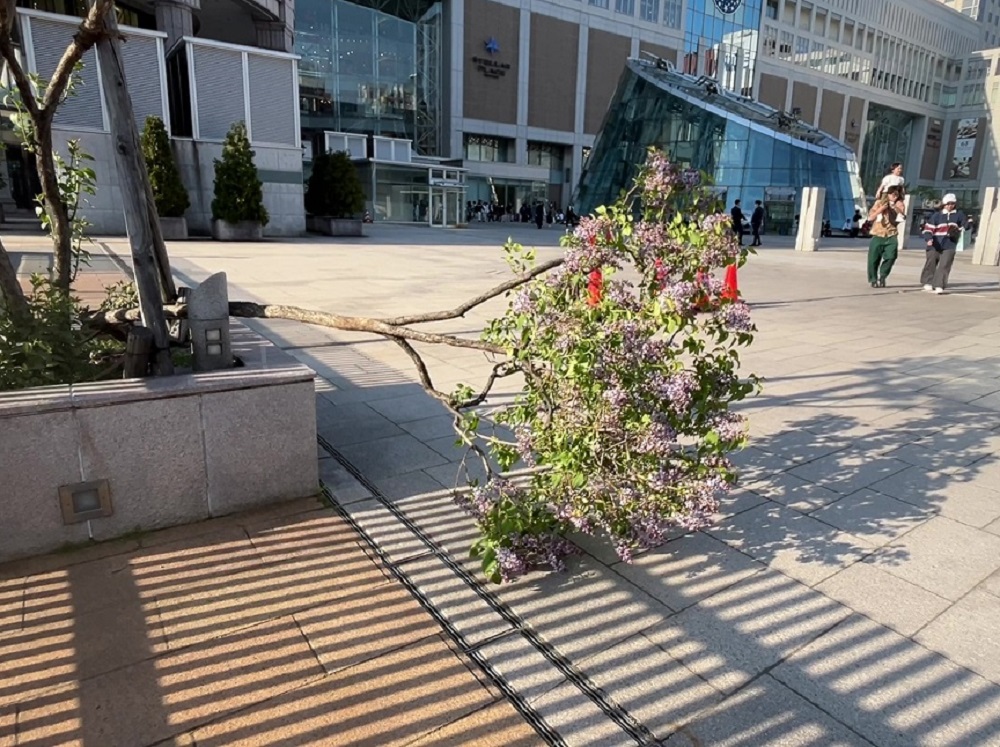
x=622, y=718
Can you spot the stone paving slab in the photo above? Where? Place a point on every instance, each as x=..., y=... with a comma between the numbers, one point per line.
x=885, y=598
x=968, y=633
x=793, y=543
x=765, y=714
x=652, y=686
x=893, y=691
x=583, y=610
x=733, y=636
x=688, y=569
x=927, y=557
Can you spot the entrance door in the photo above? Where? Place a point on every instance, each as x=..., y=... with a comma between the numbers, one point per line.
x=438, y=208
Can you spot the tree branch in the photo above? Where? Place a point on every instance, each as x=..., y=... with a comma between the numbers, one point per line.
x=249, y=310
x=89, y=32
x=12, y=298
x=8, y=15
x=463, y=309
x=423, y=373
x=500, y=370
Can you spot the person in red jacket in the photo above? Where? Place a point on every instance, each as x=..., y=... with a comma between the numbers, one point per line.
x=942, y=232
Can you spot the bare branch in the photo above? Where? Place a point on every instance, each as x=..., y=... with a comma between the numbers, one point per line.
x=423, y=373
x=249, y=310
x=8, y=16
x=500, y=370
x=463, y=309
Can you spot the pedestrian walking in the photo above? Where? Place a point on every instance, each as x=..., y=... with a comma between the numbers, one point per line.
x=539, y=214
x=884, y=246
x=737, y=216
x=757, y=222
x=942, y=231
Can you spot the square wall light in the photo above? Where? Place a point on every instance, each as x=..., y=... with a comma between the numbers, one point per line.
x=83, y=501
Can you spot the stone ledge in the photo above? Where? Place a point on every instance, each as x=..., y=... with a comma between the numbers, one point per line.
x=264, y=365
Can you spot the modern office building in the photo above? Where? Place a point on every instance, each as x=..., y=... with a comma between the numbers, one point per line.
x=200, y=65
x=449, y=101
x=503, y=99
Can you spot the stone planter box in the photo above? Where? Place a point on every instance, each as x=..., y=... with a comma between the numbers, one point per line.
x=334, y=226
x=174, y=229
x=244, y=230
x=161, y=452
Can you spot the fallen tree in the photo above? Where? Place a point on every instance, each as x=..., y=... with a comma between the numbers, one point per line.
x=627, y=385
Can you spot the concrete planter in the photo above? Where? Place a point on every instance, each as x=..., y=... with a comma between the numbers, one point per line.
x=200, y=445
x=244, y=230
x=174, y=229
x=334, y=226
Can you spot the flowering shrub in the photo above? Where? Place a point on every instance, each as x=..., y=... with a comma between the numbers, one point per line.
x=630, y=356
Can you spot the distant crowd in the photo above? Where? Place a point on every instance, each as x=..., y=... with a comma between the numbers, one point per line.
x=539, y=212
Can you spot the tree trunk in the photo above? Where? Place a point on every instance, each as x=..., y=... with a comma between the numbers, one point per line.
x=134, y=180
x=62, y=233
x=12, y=299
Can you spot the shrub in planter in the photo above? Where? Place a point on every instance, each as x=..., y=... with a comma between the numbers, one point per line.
x=334, y=196
x=168, y=190
x=238, y=212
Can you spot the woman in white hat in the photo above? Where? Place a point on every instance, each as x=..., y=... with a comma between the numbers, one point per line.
x=942, y=231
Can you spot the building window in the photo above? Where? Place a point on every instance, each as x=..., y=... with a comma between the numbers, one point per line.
x=770, y=41
x=785, y=49
x=650, y=10
x=772, y=9
x=599, y=3
x=625, y=7
x=816, y=56
x=672, y=13
x=801, y=50
x=486, y=148
x=549, y=155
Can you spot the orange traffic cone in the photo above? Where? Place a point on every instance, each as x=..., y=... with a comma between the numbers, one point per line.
x=732, y=290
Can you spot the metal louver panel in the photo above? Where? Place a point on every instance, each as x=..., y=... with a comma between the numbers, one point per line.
x=272, y=100
x=83, y=108
x=219, y=81
x=140, y=55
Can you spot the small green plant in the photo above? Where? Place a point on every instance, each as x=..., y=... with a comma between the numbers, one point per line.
x=171, y=197
x=239, y=193
x=334, y=187
x=74, y=177
x=50, y=346
x=121, y=295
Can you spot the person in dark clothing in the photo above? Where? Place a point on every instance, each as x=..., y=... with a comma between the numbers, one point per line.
x=539, y=214
x=856, y=222
x=757, y=222
x=737, y=214
x=942, y=231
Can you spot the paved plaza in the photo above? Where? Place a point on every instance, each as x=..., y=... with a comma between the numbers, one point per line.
x=848, y=593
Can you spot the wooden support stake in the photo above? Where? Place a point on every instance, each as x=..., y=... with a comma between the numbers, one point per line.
x=134, y=181
x=138, y=350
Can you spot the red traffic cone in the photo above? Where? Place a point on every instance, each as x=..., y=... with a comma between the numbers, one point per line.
x=732, y=290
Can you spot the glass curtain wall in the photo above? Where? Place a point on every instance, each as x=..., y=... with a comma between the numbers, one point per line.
x=723, y=45
x=887, y=141
x=367, y=70
x=745, y=161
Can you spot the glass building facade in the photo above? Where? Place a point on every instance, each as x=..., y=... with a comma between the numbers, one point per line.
x=370, y=68
x=720, y=41
x=750, y=151
x=887, y=141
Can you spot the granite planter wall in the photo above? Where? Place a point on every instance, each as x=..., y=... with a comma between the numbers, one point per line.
x=244, y=230
x=334, y=226
x=171, y=451
x=173, y=229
